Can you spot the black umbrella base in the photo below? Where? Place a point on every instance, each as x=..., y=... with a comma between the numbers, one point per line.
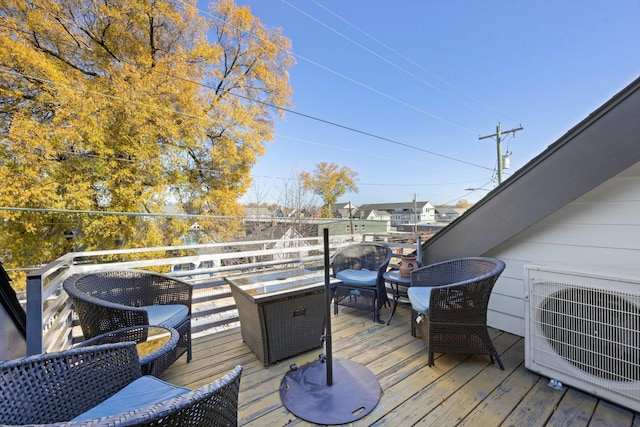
x=355, y=392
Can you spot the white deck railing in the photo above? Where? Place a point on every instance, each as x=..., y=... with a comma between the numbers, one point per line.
x=50, y=318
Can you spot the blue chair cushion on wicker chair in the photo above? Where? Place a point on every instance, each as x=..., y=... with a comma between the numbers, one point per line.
x=360, y=267
x=106, y=301
x=53, y=388
x=419, y=297
x=143, y=392
x=449, y=304
x=167, y=315
x=358, y=277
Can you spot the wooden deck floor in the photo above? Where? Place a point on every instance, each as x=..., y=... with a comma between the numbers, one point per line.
x=458, y=390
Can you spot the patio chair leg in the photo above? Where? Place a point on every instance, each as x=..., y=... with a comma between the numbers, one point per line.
x=499, y=361
x=413, y=323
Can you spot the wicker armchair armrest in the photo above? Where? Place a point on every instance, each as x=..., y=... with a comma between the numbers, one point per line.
x=55, y=387
x=98, y=316
x=215, y=404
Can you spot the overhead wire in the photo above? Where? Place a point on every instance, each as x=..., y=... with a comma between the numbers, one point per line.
x=360, y=45
x=332, y=123
x=388, y=61
x=2, y=68
x=335, y=124
x=410, y=61
x=339, y=74
x=328, y=122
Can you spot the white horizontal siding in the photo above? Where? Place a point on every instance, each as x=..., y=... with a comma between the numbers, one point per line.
x=598, y=232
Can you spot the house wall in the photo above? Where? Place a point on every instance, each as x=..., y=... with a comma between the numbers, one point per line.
x=598, y=232
x=339, y=228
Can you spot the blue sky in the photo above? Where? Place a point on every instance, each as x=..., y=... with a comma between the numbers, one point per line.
x=420, y=81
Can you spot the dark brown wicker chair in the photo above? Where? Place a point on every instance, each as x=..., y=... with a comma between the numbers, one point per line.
x=449, y=303
x=52, y=389
x=106, y=301
x=360, y=267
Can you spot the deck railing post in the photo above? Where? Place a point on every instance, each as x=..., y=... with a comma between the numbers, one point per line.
x=35, y=313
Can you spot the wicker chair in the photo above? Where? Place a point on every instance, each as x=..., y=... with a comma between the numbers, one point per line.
x=62, y=389
x=449, y=303
x=106, y=301
x=360, y=267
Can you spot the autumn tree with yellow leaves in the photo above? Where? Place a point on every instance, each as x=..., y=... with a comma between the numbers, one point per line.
x=125, y=106
x=330, y=181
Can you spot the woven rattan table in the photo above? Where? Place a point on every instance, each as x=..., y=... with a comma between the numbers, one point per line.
x=152, y=343
x=281, y=313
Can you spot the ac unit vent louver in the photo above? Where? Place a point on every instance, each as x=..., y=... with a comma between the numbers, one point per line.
x=584, y=330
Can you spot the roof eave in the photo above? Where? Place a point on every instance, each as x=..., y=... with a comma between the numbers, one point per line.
x=599, y=147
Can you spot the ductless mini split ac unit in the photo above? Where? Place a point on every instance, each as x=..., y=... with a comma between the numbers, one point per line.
x=584, y=330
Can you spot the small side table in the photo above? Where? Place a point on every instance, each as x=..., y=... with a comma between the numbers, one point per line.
x=152, y=343
x=396, y=280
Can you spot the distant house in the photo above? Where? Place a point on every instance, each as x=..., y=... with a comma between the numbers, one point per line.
x=374, y=215
x=343, y=210
x=254, y=213
x=450, y=214
x=425, y=229
x=575, y=207
x=402, y=212
x=356, y=226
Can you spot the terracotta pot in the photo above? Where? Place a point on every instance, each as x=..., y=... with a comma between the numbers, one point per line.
x=407, y=265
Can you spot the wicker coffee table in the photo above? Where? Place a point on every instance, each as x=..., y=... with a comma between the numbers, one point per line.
x=281, y=313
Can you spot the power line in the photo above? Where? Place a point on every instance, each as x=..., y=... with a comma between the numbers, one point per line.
x=288, y=110
x=386, y=184
x=361, y=46
x=341, y=75
x=379, y=92
x=135, y=214
x=399, y=54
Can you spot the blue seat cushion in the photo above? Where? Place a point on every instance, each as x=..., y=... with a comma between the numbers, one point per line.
x=166, y=315
x=419, y=297
x=144, y=391
x=358, y=277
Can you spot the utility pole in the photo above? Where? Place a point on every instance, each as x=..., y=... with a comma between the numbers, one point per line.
x=498, y=136
x=415, y=215
x=351, y=218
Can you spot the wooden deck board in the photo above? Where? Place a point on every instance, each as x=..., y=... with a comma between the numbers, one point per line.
x=460, y=390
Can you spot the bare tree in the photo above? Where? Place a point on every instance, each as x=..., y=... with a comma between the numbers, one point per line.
x=297, y=204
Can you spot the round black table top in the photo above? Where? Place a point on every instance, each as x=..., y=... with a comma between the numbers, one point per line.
x=394, y=276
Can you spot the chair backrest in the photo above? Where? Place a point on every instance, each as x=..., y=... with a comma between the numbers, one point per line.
x=55, y=387
x=109, y=300
x=461, y=288
x=456, y=271
x=133, y=288
x=370, y=256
